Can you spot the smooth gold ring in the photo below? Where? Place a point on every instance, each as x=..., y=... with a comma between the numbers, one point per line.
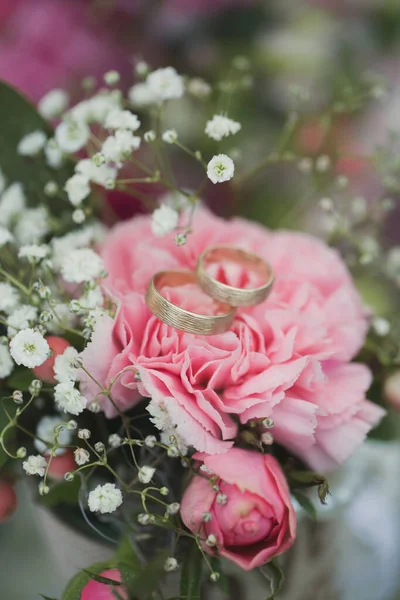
x=182, y=319
x=226, y=293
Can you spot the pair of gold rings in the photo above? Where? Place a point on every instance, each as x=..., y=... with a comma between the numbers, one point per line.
x=226, y=297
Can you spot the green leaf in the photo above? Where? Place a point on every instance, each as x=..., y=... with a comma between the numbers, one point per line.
x=46, y=597
x=18, y=117
x=101, y=579
x=305, y=504
x=149, y=579
x=20, y=379
x=126, y=554
x=191, y=574
x=77, y=583
x=223, y=580
x=64, y=492
x=309, y=479
x=273, y=572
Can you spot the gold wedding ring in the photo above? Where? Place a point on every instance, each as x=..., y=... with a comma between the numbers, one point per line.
x=226, y=293
x=182, y=319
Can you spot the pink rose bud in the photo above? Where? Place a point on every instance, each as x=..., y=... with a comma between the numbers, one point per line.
x=250, y=518
x=94, y=590
x=8, y=500
x=65, y=463
x=45, y=372
x=391, y=390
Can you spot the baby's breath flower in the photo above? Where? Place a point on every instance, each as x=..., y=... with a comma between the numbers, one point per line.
x=164, y=491
x=17, y=396
x=143, y=519
x=221, y=126
x=69, y=476
x=34, y=252
x=173, y=451
x=170, y=136
x=173, y=509
x=53, y=103
x=43, y=488
x=164, y=220
x=21, y=452
x=63, y=365
x=6, y=363
x=117, y=148
x=211, y=540
x=381, y=326
x=82, y=265
x=98, y=173
x=77, y=188
x=214, y=576
x=46, y=431
x=21, y=318
x=150, y=441
x=267, y=438
x=141, y=96
x=114, y=440
x=199, y=88
x=68, y=398
x=146, y=473
x=32, y=143
x=207, y=517
x=220, y=168
x=51, y=188
x=8, y=297
x=32, y=225
x=323, y=163
x=149, y=136
x=180, y=239
x=84, y=434
x=122, y=119
x=222, y=499
x=105, y=498
x=71, y=136
x=12, y=203
x=54, y=155
x=5, y=236
x=165, y=84
x=78, y=216
x=29, y=348
x=35, y=465
x=72, y=425
x=111, y=77
x=171, y=564
x=81, y=456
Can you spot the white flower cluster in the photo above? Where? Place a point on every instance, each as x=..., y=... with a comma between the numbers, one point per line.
x=162, y=420
x=105, y=498
x=160, y=85
x=221, y=126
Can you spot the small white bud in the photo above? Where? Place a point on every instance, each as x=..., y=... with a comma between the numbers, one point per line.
x=18, y=397
x=214, y=576
x=72, y=425
x=164, y=491
x=78, y=216
x=222, y=499
x=173, y=451
x=171, y=564
x=143, y=519
x=112, y=77
x=94, y=407
x=173, y=509
x=51, y=189
x=84, y=434
x=170, y=136
x=267, y=438
x=99, y=159
x=268, y=423
x=326, y=204
x=99, y=447
x=180, y=239
x=21, y=452
x=211, y=540
x=43, y=488
x=381, y=326
x=114, y=440
x=150, y=441
x=142, y=68
x=323, y=163
x=207, y=517
x=149, y=136
x=69, y=476
x=305, y=165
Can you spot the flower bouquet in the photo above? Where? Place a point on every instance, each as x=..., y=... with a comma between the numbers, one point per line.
x=181, y=384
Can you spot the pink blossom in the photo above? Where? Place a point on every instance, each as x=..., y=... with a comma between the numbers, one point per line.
x=287, y=359
x=254, y=519
x=8, y=500
x=94, y=590
x=46, y=44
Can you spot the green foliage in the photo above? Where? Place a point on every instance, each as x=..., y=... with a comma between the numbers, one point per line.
x=223, y=580
x=18, y=118
x=305, y=504
x=20, y=379
x=310, y=479
x=191, y=574
x=273, y=572
x=64, y=492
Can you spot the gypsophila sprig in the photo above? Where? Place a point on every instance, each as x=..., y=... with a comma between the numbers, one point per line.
x=220, y=168
x=29, y=348
x=105, y=498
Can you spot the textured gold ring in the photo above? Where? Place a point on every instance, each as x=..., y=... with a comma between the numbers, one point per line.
x=226, y=293
x=178, y=317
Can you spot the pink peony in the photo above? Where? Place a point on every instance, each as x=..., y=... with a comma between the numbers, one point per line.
x=94, y=590
x=254, y=519
x=287, y=358
x=46, y=44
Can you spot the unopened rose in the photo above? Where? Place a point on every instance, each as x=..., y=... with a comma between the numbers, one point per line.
x=8, y=500
x=94, y=590
x=252, y=517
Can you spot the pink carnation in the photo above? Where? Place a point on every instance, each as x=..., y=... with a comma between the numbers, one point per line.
x=287, y=358
x=255, y=519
